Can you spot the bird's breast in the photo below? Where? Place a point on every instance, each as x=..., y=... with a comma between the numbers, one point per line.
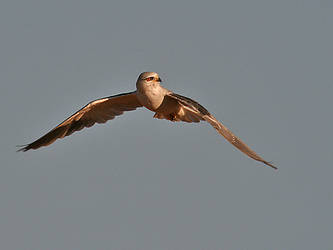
x=151, y=97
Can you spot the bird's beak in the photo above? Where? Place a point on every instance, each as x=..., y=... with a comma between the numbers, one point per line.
x=159, y=80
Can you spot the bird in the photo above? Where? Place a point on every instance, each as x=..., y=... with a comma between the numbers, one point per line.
x=152, y=95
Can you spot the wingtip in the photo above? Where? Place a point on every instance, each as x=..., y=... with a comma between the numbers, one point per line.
x=22, y=148
x=271, y=165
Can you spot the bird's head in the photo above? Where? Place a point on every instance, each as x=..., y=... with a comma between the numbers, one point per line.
x=149, y=77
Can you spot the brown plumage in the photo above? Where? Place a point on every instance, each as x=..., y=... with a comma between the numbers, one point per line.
x=150, y=94
x=194, y=109
x=98, y=111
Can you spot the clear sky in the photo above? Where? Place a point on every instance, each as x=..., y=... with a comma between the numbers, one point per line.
x=263, y=68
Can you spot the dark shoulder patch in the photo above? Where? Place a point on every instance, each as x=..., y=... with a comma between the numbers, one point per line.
x=189, y=102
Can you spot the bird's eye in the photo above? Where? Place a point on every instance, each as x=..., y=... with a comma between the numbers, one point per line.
x=149, y=79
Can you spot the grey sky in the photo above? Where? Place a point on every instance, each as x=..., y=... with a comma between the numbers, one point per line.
x=264, y=68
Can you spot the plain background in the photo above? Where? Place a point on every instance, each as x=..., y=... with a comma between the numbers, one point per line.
x=264, y=68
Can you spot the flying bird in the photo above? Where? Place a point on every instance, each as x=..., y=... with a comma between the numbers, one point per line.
x=150, y=94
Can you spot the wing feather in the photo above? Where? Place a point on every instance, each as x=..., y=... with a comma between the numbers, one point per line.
x=98, y=111
x=196, y=110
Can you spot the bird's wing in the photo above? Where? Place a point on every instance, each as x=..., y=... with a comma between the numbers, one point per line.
x=98, y=111
x=193, y=110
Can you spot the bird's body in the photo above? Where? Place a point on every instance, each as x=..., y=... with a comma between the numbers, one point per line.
x=150, y=94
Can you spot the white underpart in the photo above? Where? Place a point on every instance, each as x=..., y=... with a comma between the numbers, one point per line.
x=151, y=95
